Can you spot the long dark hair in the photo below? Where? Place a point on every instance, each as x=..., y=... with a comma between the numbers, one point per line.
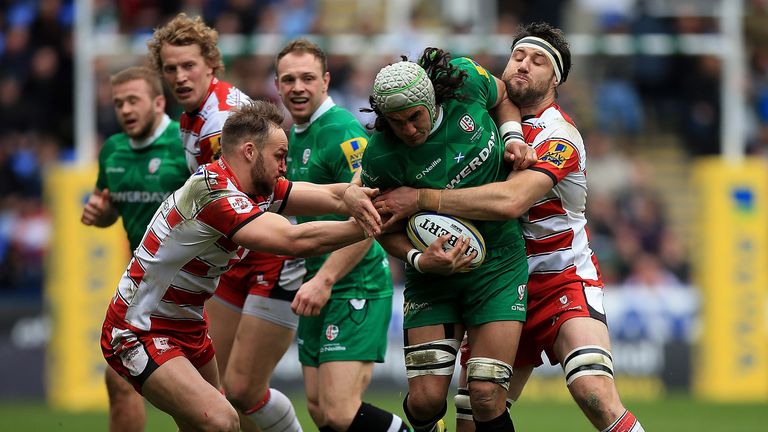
x=446, y=79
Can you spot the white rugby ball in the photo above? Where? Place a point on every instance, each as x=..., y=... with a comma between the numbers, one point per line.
x=425, y=227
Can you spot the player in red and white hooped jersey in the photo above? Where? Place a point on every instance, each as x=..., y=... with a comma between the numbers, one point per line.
x=155, y=332
x=254, y=297
x=566, y=318
x=201, y=127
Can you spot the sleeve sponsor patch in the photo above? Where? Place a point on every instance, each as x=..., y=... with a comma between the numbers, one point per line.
x=558, y=153
x=480, y=70
x=353, y=150
x=240, y=204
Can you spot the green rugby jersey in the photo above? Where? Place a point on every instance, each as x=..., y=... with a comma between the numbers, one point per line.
x=463, y=150
x=140, y=179
x=329, y=150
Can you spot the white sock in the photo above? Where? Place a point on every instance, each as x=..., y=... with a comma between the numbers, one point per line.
x=274, y=413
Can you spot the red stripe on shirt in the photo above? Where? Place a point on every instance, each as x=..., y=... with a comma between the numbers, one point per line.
x=136, y=271
x=183, y=297
x=545, y=209
x=151, y=243
x=563, y=240
x=196, y=267
x=174, y=217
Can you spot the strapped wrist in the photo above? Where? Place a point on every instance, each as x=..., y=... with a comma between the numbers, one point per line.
x=412, y=257
x=429, y=199
x=511, y=130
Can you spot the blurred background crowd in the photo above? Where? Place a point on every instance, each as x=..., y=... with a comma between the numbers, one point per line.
x=643, y=117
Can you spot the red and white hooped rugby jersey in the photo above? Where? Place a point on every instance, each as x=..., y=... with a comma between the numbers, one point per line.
x=201, y=129
x=186, y=248
x=554, y=228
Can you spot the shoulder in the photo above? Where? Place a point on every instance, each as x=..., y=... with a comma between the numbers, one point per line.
x=223, y=99
x=114, y=143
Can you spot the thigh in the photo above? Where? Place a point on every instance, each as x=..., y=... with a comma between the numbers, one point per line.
x=223, y=319
x=185, y=392
x=497, y=340
x=577, y=332
x=259, y=345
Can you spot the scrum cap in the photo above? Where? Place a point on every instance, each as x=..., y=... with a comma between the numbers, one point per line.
x=403, y=85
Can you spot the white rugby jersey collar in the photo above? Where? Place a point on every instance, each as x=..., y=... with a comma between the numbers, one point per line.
x=322, y=109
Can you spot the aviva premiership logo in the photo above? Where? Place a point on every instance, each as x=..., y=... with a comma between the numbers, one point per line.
x=331, y=332
x=467, y=123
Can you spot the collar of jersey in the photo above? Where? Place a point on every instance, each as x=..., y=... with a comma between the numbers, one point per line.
x=138, y=145
x=322, y=109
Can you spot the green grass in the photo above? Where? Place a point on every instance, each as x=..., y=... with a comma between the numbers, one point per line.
x=669, y=414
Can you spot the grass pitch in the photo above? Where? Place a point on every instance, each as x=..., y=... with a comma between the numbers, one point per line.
x=670, y=413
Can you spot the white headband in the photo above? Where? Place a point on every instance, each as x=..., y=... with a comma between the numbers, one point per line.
x=547, y=49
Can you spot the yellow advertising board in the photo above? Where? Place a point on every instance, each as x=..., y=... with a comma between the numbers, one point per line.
x=82, y=270
x=730, y=258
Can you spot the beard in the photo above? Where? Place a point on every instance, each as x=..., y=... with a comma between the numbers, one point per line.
x=524, y=96
x=144, y=132
x=262, y=184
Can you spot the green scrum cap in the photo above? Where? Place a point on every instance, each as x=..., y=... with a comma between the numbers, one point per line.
x=403, y=85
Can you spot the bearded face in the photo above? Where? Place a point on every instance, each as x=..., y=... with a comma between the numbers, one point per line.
x=525, y=91
x=263, y=183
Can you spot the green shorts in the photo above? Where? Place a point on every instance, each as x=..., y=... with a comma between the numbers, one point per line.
x=496, y=291
x=345, y=330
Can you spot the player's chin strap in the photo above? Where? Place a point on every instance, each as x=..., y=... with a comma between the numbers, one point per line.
x=587, y=360
x=488, y=369
x=431, y=358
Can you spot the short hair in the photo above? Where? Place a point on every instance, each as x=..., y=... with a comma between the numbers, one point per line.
x=304, y=46
x=182, y=31
x=551, y=34
x=250, y=122
x=139, y=73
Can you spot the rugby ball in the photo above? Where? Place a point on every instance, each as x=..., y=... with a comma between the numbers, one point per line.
x=425, y=227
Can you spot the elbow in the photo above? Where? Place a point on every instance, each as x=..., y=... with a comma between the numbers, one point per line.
x=512, y=209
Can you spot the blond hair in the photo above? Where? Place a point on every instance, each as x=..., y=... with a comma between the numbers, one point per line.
x=139, y=73
x=181, y=31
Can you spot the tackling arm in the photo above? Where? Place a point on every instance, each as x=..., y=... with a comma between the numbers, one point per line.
x=274, y=234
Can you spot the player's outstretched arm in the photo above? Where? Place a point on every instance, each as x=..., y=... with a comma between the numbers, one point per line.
x=99, y=211
x=309, y=199
x=272, y=233
x=509, y=199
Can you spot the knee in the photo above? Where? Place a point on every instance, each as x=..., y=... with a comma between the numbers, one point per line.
x=313, y=406
x=237, y=394
x=225, y=420
x=424, y=404
x=486, y=398
x=338, y=419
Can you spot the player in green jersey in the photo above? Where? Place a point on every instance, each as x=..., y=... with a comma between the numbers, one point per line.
x=345, y=302
x=138, y=169
x=434, y=129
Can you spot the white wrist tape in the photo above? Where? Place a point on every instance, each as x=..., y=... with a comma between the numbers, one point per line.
x=511, y=130
x=412, y=258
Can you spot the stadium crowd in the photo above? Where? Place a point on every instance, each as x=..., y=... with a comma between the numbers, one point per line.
x=623, y=104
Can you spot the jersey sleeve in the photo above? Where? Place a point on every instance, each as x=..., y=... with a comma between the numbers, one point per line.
x=344, y=155
x=210, y=137
x=280, y=198
x=229, y=213
x=558, y=157
x=480, y=84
